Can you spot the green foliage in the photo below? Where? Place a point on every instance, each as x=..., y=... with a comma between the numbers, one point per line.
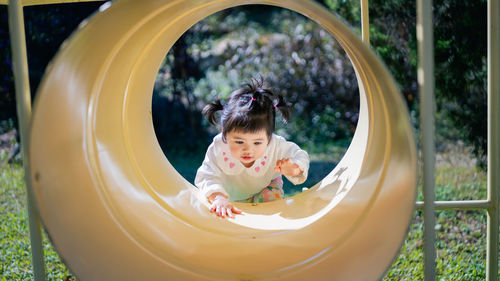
x=296, y=58
x=178, y=129
x=7, y=100
x=460, y=64
x=349, y=10
x=461, y=69
x=392, y=36
x=460, y=61
x=235, y=44
x=46, y=27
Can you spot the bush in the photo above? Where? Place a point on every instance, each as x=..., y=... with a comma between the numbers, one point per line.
x=297, y=59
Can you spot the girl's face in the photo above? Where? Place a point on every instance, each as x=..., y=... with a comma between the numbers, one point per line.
x=247, y=147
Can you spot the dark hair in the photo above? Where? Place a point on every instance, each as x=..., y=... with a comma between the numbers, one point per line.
x=249, y=109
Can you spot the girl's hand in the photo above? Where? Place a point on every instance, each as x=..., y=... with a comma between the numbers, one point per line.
x=222, y=207
x=287, y=167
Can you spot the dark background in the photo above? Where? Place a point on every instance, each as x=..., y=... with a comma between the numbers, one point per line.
x=298, y=59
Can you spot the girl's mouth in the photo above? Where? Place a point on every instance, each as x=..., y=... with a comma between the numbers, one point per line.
x=246, y=158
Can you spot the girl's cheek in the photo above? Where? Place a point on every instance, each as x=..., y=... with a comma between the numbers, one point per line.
x=234, y=151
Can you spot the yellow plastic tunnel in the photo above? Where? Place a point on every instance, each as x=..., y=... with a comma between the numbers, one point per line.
x=116, y=209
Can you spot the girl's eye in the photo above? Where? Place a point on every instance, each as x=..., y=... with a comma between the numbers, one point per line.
x=257, y=143
x=239, y=142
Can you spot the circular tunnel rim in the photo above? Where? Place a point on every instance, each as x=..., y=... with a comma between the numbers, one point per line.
x=284, y=6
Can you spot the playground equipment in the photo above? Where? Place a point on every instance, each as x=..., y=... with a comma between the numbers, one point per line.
x=108, y=196
x=116, y=209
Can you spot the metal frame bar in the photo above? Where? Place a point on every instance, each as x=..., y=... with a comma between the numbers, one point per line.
x=426, y=83
x=427, y=113
x=493, y=137
x=45, y=2
x=458, y=205
x=23, y=100
x=365, y=22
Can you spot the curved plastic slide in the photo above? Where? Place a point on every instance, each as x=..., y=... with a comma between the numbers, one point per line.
x=116, y=209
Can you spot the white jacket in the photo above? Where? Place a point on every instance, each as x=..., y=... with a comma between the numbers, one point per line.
x=220, y=172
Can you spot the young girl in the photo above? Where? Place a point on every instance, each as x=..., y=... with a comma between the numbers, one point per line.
x=246, y=160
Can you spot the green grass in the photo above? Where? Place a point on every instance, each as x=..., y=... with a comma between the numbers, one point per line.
x=461, y=235
x=461, y=241
x=15, y=253
x=460, y=248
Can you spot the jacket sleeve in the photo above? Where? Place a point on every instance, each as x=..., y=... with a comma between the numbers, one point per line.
x=208, y=177
x=298, y=156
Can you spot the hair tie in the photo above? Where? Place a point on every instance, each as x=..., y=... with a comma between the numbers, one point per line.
x=253, y=99
x=275, y=107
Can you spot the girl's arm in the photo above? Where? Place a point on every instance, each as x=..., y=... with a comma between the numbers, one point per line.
x=208, y=176
x=292, y=162
x=208, y=180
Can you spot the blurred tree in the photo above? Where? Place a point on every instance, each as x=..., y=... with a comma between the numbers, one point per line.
x=297, y=59
x=7, y=99
x=176, y=119
x=460, y=61
x=349, y=10
x=393, y=36
x=461, y=70
x=47, y=26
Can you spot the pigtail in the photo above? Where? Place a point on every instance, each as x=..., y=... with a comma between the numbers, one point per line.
x=284, y=108
x=251, y=108
x=254, y=88
x=261, y=94
x=210, y=109
x=259, y=91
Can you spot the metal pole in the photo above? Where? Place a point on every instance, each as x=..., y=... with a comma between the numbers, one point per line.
x=23, y=100
x=365, y=22
x=493, y=136
x=458, y=205
x=46, y=2
x=427, y=112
